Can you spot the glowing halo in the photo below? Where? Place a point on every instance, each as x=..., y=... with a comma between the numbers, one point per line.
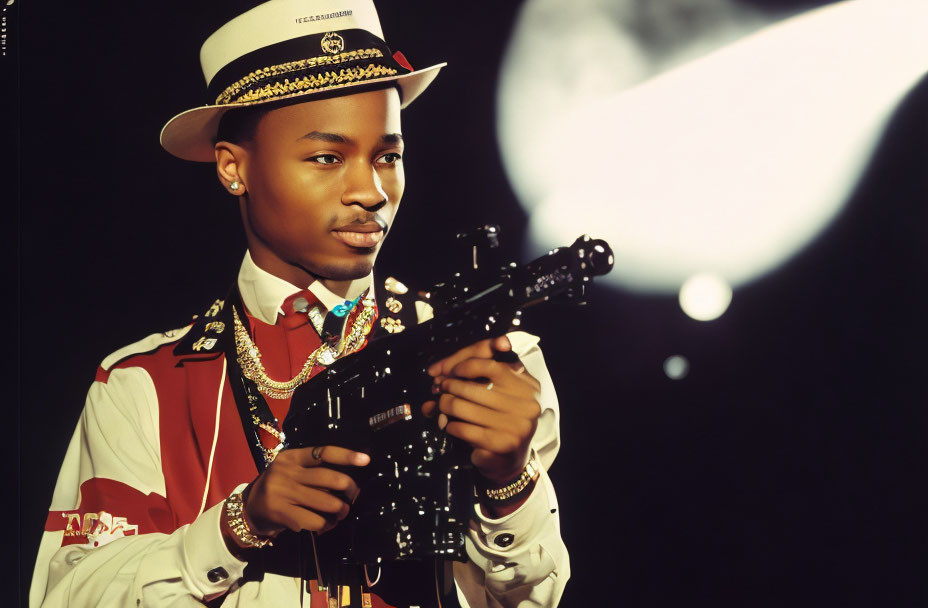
x=730, y=163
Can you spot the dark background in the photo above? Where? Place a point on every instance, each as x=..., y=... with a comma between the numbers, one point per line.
x=787, y=469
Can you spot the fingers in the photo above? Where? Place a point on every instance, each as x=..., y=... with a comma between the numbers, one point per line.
x=319, y=501
x=430, y=410
x=483, y=349
x=489, y=401
x=298, y=491
x=327, y=479
x=310, y=473
x=275, y=502
x=502, y=375
x=296, y=518
x=519, y=402
x=503, y=420
x=314, y=456
x=501, y=344
x=495, y=441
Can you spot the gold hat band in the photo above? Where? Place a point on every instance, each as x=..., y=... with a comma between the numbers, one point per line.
x=317, y=81
x=273, y=71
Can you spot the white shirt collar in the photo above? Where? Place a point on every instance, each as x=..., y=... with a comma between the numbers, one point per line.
x=264, y=293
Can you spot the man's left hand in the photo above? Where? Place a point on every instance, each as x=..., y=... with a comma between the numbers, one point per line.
x=490, y=404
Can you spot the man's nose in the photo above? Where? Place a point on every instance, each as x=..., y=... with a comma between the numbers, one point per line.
x=364, y=187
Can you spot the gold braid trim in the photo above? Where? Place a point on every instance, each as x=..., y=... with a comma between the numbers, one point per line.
x=318, y=81
x=293, y=66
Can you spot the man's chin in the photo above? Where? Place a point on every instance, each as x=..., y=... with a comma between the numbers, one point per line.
x=346, y=271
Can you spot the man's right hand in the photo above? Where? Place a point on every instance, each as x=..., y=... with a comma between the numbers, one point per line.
x=298, y=492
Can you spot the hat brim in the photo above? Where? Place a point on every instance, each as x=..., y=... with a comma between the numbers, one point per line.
x=191, y=135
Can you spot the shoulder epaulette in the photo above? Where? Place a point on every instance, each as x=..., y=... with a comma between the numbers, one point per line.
x=207, y=335
x=145, y=345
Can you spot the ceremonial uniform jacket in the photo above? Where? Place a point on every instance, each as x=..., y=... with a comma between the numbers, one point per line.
x=134, y=519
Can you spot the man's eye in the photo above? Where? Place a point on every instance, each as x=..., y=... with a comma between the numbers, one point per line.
x=324, y=159
x=389, y=158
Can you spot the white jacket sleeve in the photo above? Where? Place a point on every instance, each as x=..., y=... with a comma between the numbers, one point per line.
x=520, y=559
x=110, y=537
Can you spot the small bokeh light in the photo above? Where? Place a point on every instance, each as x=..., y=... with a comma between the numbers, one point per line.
x=705, y=297
x=676, y=367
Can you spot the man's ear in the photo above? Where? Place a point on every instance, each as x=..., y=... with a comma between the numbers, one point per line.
x=231, y=167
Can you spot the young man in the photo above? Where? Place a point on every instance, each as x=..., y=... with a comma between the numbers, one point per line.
x=168, y=491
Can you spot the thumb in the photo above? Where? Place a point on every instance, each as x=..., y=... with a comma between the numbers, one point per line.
x=501, y=344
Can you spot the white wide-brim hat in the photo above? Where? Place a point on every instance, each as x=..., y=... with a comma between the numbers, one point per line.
x=286, y=49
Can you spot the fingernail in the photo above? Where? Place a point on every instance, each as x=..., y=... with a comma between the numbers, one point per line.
x=442, y=421
x=361, y=459
x=434, y=369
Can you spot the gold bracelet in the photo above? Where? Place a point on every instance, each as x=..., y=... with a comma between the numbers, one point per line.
x=529, y=474
x=236, y=520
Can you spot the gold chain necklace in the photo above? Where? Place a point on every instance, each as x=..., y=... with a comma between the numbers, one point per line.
x=249, y=356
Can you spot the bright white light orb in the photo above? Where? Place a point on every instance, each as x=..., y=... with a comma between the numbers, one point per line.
x=730, y=163
x=676, y=367
x=705, y=297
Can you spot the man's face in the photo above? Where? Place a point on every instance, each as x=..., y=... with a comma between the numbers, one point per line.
x=324, y=181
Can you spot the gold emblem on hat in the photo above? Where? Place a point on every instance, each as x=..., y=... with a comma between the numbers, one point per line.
x=393, y=305
x=332, y=43
x=394, y=326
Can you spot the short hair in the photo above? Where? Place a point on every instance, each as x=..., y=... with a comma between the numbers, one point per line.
x=239, y=125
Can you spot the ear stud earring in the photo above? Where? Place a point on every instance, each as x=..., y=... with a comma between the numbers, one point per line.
x=234, y=186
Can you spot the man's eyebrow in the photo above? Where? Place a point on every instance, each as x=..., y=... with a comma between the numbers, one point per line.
x=394, y=139
x=334, y=138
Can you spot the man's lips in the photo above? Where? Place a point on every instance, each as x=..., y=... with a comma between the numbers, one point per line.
x=364, y=234
x=358, y=239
